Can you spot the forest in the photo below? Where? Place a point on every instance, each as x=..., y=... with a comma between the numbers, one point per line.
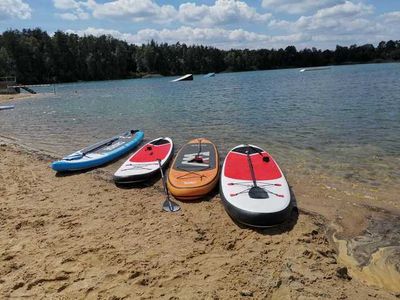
x=33, y=56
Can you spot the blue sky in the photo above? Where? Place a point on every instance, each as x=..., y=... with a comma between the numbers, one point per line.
x=221, y=23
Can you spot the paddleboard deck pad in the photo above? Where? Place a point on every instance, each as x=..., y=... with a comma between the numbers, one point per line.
x=99, y=153
x=195, y=170
x=143, y=164
x=253, y=188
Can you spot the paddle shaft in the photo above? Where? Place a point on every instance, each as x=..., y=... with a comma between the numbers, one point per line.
x=109, y=142
x=168, y=204
x=198, y=154
x=105, y=143
x=91, y=149
x=163, y=180
x=253, y=176
x=265, y=158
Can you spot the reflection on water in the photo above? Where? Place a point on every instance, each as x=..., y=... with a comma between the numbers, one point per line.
x=344, y=121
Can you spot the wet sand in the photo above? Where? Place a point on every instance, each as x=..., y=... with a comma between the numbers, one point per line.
x=6, y=98
x=363, y=224
x=80, y=236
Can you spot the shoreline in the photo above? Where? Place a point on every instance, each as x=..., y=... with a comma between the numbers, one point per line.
x=6, y=98
x=115, y=249
x=151, y=75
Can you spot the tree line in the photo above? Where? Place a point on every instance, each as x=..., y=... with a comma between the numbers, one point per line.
x=33, y=56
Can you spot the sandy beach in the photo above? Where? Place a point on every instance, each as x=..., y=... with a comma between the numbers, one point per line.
x=281, y=112
x=6, y=98
x=80, y=236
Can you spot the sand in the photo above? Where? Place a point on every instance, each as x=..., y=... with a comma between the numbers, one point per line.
x=7, y=98
x=80, y=236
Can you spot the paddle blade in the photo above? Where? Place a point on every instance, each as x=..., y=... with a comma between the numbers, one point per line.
x=170, y=206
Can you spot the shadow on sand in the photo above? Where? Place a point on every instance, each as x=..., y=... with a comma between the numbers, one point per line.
x=73, y=173
x=210, y=196
x=151, y=181
x=287, y=226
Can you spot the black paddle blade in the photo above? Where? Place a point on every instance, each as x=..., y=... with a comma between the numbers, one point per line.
x=170, y=206
x=258, y=193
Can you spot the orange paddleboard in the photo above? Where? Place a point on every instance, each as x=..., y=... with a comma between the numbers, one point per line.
x=195, y=170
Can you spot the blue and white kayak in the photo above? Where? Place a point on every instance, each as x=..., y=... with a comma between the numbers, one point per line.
x=99, y=153
x=5, y=107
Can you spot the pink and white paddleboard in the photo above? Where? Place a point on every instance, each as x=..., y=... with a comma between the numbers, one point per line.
x=253, y=188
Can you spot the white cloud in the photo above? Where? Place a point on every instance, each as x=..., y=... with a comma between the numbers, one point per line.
x=298, y=6
x=68, y=16
x=218, y=37
x=336, y=22
x=341, y=19
x=14, y=9
x=222, y=12
x=391, y=17
x=346, y=9
x=101, y=31
x=75, y=10
x=82, y=15
x=74, y=16
x=390, y=22
x=344, y=24
x=66, y=4
x=134, y=10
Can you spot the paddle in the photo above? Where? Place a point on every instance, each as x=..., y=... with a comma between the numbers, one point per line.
x=197, y=158
x=255, y=191
x=168, y=204
x=96, y=147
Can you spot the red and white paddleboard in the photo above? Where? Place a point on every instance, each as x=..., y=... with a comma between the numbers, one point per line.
x=253, y=188
x=144, y=163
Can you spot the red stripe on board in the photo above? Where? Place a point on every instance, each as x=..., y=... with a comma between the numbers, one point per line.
x=156, y=152
x=237, y=167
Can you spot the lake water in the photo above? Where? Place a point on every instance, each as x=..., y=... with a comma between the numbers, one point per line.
x=344, y=121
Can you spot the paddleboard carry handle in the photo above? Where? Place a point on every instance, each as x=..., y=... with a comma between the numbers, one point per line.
x=198, y=158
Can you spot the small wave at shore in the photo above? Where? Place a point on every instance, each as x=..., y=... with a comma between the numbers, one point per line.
x=373, y=256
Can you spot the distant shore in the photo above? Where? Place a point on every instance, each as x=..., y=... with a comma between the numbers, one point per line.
x=150, y=75
x=121, y=60
x=80, y=235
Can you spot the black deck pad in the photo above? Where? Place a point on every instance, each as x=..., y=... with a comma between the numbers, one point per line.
x=160, y=142
x=258, y=193
x=189, y=160
x=246, y=149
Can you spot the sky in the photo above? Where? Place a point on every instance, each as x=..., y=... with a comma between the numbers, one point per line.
x=224, y=24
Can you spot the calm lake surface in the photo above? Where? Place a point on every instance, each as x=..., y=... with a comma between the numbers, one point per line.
x=344, y=121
